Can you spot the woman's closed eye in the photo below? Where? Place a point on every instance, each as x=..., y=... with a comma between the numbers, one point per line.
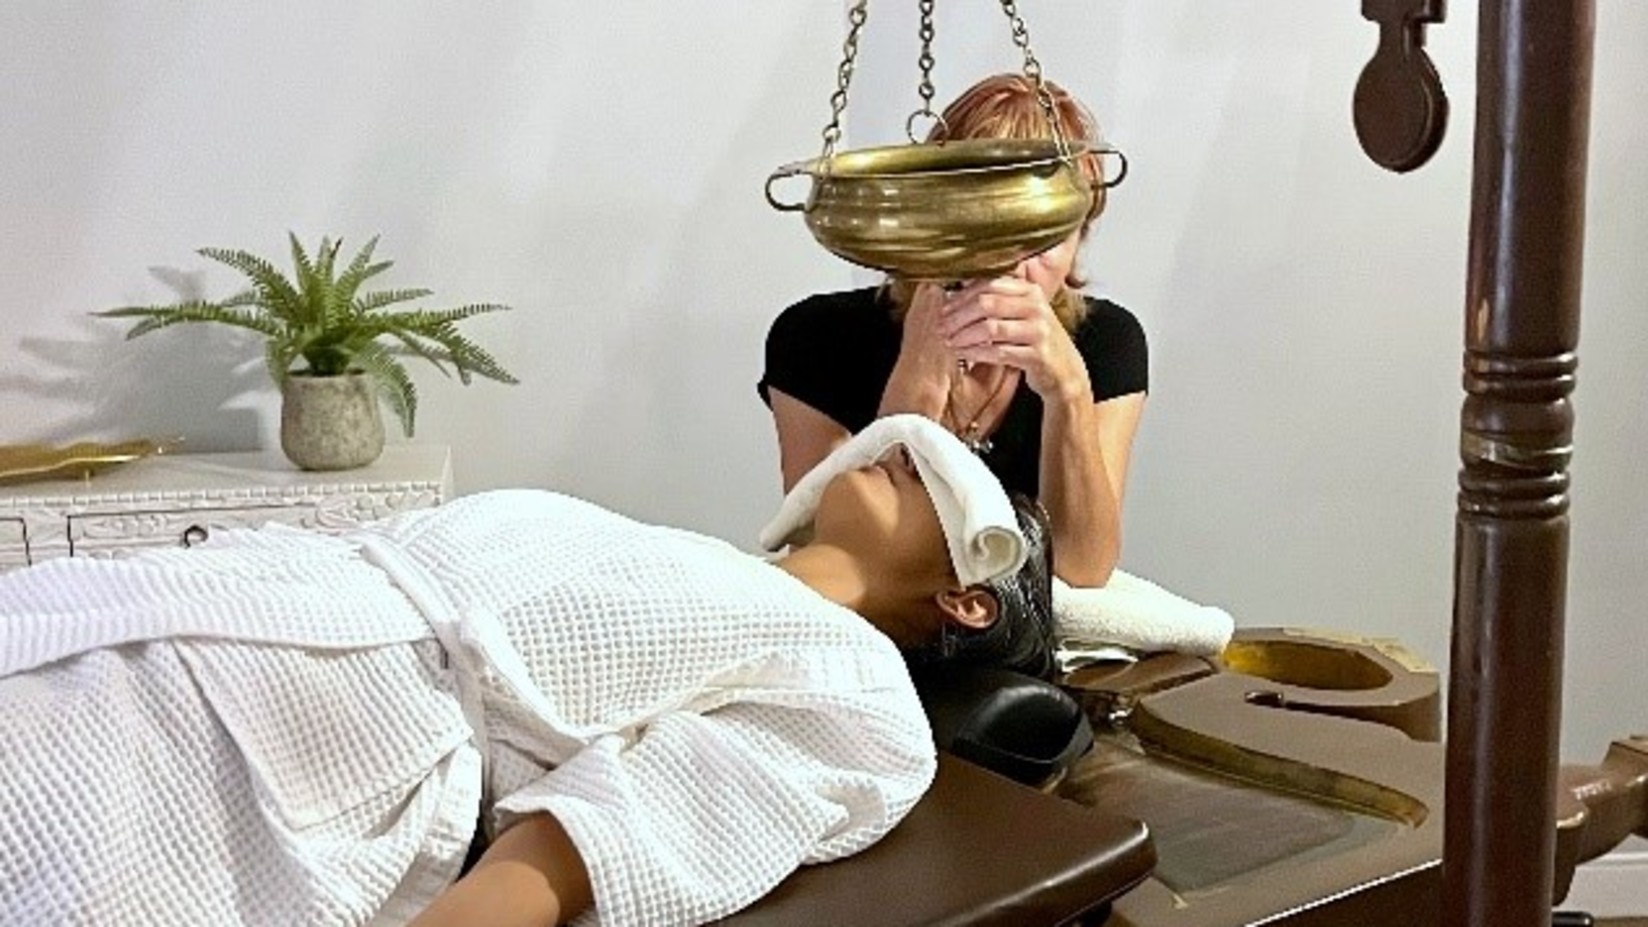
x=908, y=462
x=898, y=460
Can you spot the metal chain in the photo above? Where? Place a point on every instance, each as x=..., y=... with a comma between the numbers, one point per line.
x=1032, y=71
x=856, y=17
x=925, y=88
x=844, y=76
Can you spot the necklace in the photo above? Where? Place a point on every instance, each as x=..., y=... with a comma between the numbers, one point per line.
x=972, y=433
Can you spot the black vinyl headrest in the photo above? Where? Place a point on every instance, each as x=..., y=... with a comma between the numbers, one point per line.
x=1021, y=727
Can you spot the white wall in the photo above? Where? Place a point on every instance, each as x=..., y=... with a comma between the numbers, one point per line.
x=599, y=167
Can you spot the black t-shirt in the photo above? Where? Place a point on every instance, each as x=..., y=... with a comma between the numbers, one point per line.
x=835, y=352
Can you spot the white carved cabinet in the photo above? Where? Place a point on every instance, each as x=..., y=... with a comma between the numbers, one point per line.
x=182, y=498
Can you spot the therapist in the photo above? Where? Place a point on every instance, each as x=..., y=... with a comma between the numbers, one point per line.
x=1045, y=383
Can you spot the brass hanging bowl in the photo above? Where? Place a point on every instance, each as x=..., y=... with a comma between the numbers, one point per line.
x=961, y=209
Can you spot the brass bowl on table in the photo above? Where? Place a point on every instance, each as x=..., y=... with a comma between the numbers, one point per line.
x=961, y=209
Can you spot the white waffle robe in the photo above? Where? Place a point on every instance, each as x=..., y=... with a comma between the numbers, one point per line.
x=270, y=730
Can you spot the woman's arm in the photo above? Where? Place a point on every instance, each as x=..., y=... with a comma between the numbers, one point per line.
x=919, y=383
x=1085, y=445
x=1085, y=451
x=805, y=435
x=531, y=876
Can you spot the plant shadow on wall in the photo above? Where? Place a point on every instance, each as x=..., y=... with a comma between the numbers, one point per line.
x=168, y=388
x=349, y=342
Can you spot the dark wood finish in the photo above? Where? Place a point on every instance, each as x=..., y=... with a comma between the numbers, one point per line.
x=1511, y=536
x=1287, y=788
x=1301, y=784
x=1400, y=107
x=978, y=850
x=1599, y=806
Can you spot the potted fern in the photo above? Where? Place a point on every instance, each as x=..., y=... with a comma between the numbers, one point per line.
x=351, y=345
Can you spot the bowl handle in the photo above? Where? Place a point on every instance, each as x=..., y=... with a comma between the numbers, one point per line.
x=792, y=169
x=1121, y=172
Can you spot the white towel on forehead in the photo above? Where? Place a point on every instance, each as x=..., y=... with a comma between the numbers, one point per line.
x=979, y=524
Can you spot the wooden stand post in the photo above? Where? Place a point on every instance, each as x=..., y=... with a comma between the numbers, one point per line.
x=1510, y=581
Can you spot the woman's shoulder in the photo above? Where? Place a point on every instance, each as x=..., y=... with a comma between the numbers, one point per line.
x=1113, y=343
x=826, y=324
x=842, y=308
x=1105, y=313
x=1109, y=323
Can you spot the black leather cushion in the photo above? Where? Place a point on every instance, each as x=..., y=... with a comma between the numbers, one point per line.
x=1012, y=724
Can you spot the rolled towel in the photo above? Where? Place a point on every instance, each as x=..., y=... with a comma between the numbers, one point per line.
x=978, y=520
x=1137, y=614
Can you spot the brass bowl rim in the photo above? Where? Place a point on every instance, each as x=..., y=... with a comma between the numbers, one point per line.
x=932, y=159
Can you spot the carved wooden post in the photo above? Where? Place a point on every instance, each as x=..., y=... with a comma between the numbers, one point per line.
x=1521, y=331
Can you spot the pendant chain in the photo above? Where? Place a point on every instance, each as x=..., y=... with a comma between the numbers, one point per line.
x=971, y=432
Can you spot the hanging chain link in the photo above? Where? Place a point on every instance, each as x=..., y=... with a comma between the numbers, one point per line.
x=844, y=75
x=925, y=88
x=856, y=17
x=1032, y=71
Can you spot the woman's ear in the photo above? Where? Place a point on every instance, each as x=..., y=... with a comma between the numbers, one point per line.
x=974, y=607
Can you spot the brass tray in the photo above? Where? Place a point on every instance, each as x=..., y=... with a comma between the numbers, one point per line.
x=22, y=463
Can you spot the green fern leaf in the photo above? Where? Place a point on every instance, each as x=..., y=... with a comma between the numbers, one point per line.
x=374, y=301
x=158, y=317
x=278, y=357
x=280, y=298
x=393, y=382
x=467, y=357
x=412, y=345
x=357, y=272
x=304, y=269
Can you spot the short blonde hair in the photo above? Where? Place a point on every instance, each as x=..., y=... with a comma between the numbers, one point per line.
x=1006, y=106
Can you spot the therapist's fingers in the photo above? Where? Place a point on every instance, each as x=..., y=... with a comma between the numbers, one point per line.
x=1029, y=339
x=1000, y=298
x=923, y=354
x=991, y=330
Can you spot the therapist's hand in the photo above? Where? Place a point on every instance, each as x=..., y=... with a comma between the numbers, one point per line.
x=1008, y=321
x=920, y=380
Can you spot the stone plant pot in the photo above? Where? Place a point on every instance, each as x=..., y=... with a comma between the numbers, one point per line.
x=330, y=423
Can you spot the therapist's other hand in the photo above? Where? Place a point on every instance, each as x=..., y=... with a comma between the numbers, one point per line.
x=922, y=348
x=1009, y=321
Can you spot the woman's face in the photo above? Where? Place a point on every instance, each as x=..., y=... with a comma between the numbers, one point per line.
x=1049, y=269
x=884, y=514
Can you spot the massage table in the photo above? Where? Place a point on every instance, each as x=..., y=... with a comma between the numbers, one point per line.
x=1299, y=780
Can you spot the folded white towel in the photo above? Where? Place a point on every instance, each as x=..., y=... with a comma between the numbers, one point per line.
x=979, y=524
x=1071, y=655
x=1137, y=614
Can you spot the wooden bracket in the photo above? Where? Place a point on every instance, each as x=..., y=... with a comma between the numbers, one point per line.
x=1401, y=110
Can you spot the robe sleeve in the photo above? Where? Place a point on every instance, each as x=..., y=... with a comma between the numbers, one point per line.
x=698, y=815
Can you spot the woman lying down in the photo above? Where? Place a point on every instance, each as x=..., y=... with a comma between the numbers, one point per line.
x=651, y=726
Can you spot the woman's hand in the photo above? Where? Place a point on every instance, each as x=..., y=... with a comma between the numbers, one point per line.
x=1009, y=321
x=920, y=381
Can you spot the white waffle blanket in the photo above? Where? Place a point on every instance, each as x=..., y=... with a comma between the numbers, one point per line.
x=266, y=731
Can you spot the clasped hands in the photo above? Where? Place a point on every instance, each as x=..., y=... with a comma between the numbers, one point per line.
x=1007, y=321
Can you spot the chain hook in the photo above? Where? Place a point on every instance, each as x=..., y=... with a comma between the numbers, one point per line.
x=843, y=78
x=1032, y=72
x=925, y=88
